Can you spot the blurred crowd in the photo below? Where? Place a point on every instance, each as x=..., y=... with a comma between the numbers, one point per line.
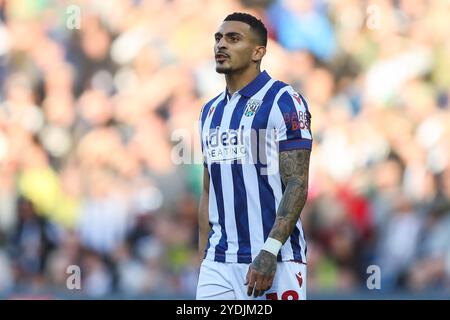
x=89, y=112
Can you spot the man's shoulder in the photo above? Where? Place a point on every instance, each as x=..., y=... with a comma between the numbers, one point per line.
x=206, y=106
x=280, y=86
x=211, y=101
x=280, y=91
x=285, y=89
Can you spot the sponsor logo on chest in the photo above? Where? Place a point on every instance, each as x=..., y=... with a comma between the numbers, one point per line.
x=225, y=144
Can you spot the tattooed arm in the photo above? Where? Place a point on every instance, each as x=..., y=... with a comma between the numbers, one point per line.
x=294, y=168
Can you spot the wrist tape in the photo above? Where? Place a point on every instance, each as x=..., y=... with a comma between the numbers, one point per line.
x=272, y=245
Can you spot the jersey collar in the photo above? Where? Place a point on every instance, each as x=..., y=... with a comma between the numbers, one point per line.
x=253, y=87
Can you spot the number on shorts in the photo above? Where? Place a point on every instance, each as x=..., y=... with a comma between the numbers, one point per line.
x=287, y=295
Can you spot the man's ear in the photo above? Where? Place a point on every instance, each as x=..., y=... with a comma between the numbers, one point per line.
x=258, y=53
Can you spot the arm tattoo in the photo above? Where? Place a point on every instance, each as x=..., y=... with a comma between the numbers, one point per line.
x=294, y=168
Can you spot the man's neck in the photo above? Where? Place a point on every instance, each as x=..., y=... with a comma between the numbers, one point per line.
x=238, y=80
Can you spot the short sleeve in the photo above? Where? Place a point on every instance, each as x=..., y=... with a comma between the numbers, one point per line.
x=293, y=122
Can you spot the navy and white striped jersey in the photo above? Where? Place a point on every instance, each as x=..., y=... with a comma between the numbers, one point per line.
x=242, y=136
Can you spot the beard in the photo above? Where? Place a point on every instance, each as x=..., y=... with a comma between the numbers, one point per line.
x=223, y=69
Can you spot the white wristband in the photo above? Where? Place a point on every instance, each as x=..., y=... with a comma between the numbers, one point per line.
x=272, y=245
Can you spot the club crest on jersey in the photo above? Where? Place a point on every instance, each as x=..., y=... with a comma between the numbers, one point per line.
x=251, y=107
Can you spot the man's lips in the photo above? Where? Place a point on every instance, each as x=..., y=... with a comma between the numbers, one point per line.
x=220, y=57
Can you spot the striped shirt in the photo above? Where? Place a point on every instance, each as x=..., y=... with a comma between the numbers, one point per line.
x=242, y=136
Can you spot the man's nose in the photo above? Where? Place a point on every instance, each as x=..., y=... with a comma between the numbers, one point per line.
x=221, y=44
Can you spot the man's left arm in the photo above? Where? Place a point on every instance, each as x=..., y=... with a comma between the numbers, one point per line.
x=294, y=169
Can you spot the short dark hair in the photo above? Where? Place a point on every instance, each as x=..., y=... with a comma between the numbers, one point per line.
x=256, y=25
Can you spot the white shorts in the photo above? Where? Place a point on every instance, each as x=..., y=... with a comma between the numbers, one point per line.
x=225, y=281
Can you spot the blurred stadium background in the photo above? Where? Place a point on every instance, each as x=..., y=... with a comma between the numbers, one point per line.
x=87, y=118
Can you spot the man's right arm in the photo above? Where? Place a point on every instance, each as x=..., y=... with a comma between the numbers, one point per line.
x=203, y=214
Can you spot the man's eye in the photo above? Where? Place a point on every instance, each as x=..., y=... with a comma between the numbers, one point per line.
x=234, y=39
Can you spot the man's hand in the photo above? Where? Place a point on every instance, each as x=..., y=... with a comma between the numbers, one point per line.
x=261, y=273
